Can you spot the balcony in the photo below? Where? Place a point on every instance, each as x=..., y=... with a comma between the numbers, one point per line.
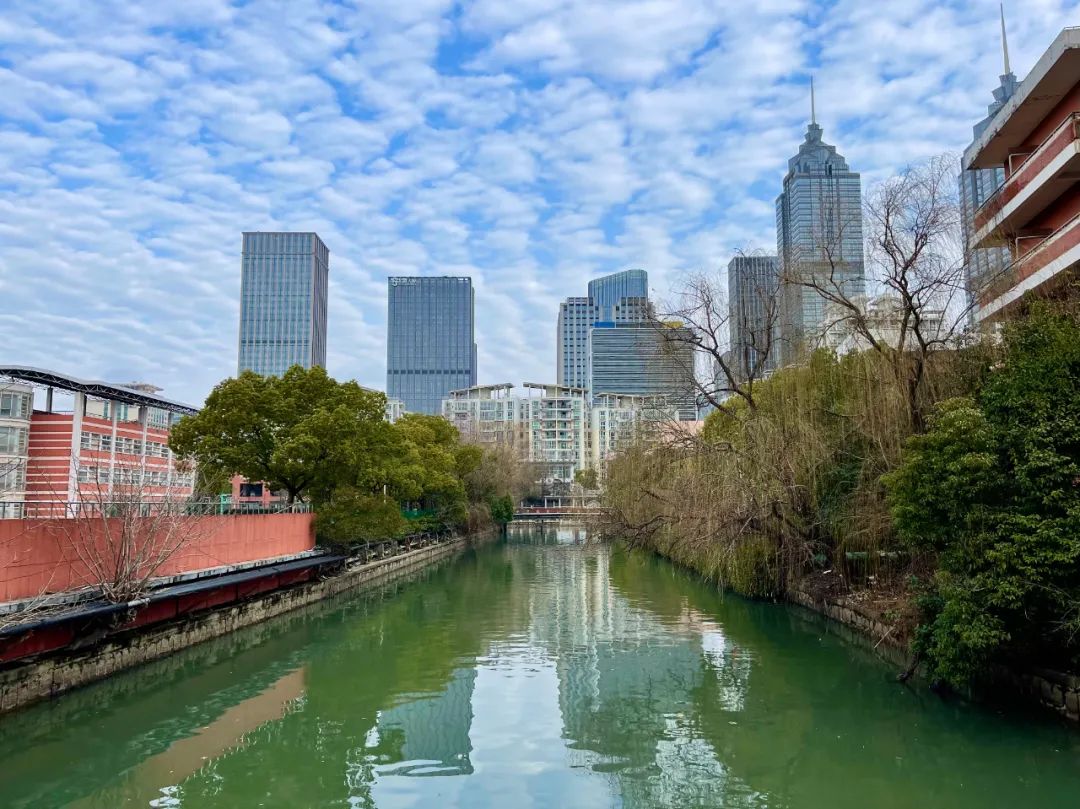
x=1041, y=268
x=1041, y=177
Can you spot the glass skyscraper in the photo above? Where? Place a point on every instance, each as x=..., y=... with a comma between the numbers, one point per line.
x=640, y=359
x=620, y=297
x=753, y=284
x=818, y=238
x=430, y=341
x=283, y=290
x=608, y=292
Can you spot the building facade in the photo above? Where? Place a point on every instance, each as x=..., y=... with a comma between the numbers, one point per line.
x=607, y=292
x=576, y=316
x=753, y=289
x=431, y=340
x=641, y=359
x=284, y=279
x=1034, y=140
x=616, y=421
x=104, y=448
x=818, y=239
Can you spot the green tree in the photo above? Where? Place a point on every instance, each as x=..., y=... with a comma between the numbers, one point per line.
x=502, y=509
x=587, y=479
x=993, y=489
x=302, y=432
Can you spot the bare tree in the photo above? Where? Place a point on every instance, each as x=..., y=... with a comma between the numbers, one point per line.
x=123, y=531
x=731, y=332
x=914, y=255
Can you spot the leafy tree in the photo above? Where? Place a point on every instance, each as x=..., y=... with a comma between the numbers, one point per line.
x=502, y=509
x=429, y=470
x=993, y=488
x=300, y=432
x=350, y=516
x=587, y=478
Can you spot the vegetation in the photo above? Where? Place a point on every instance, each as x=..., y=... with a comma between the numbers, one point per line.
x=328, y=443
x=993, y=491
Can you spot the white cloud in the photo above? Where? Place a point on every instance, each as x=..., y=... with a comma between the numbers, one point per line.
x=531, y=145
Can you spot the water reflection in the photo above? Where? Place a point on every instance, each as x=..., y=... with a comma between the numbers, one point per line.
x=547, y=671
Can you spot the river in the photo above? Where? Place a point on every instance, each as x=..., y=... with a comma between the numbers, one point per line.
x=542, y=671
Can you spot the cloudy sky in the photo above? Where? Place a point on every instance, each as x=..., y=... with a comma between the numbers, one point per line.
x=530, y=144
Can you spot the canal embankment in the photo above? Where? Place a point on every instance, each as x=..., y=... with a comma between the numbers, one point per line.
x=129, y=639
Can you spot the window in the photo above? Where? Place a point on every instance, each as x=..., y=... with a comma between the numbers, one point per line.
x=14, y=405
x=13, y=440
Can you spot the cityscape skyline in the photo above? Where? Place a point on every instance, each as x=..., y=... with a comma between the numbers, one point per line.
x=142, y=249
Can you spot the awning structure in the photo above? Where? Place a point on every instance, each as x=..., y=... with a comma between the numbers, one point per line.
x=100, y=390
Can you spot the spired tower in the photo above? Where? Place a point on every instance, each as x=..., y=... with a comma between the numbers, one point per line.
x=978, y=185
x=818, y=236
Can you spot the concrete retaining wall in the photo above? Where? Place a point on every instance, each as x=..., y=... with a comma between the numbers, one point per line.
x=34, y=681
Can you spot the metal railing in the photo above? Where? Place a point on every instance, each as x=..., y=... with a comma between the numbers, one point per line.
x=384, y=549
x=196, y=507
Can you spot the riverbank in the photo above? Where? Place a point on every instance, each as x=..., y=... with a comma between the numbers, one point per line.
x=26, y=682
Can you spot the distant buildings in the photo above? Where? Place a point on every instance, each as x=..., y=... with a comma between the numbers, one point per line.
x=983, y=265
x=883, y=317
x=753, y=288
x=642, y=359
x=430, y=341
x=818, y=238
x=608, y=292
x=283, y=301
x=558, y=429
x=576, y=316
x=1033, y=139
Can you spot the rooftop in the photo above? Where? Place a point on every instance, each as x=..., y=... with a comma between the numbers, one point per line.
x=99, y=390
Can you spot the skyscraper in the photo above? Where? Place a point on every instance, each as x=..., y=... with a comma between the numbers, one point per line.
x=576, y=316
x=619, y=297
x=430, y=341
x=640, y=359
x=283, y=286
x=608, y=291
x=818, y=238
x=978, y=185
x=753, y=285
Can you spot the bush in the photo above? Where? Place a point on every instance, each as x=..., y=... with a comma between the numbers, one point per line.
x=993, y=489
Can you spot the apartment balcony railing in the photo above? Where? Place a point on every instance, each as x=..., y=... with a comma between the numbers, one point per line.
x=1032, y=184
x=1039, y=267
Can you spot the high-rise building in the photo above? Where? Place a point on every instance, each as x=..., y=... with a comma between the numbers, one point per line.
x=608, y=292
x=641, y=359
x=576, y=316
x=818, y=238
x=753, y=286
x=984, y=264
x=283, y=289
x=1034, y=138
x=430, y=341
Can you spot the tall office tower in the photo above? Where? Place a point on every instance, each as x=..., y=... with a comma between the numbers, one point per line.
x=576, y=316
x=753, y=285
x=283, y=284
x=976, y=187
x=607, y=292
x=818, y=238
x=430, y=340
x=639, y=359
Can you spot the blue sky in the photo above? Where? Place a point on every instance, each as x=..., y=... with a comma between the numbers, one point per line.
x=531, y=144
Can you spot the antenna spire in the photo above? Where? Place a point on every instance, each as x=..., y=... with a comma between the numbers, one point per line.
x=1004, y=41
x=813, y=106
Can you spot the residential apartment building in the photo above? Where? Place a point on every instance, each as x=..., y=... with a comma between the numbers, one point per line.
x=616, y=421
x=1034, y=140
x=430, y=341
x=884, y=319
x=284, y=279
x=576, y=316
x=818, y=239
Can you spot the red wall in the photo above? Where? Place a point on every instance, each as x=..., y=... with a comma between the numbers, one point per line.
x=39, y=556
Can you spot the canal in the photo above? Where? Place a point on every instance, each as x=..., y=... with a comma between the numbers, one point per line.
x=537, y=672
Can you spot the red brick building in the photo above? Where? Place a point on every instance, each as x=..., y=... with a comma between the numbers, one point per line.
x=1035, y=138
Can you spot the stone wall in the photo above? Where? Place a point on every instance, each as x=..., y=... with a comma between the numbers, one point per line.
x=1050, y=689
x=34, y=681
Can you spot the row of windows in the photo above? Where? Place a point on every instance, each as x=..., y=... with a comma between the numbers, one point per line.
x=124, y=445
x=11, y=511
x=13, y=440
x=15, y=405
x=13, y=479
x=134, y=476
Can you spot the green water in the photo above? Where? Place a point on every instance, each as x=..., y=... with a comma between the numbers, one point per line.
x=541, y=672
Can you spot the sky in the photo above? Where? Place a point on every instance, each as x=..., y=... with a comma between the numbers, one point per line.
x=529, y=144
